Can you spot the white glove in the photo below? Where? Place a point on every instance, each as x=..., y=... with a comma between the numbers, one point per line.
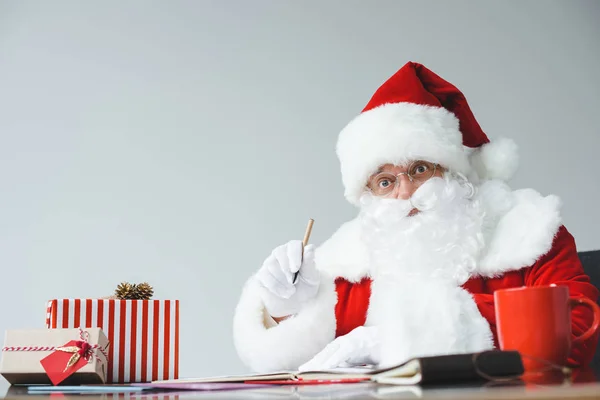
x=361, y=346
x=280, y=295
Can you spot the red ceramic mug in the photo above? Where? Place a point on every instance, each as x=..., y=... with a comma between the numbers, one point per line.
x=536, y=322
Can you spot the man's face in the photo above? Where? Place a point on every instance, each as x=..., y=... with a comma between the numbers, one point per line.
x=401, y=181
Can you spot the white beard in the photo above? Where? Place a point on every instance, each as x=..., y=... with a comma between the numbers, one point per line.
x=418, y=264
x=443, y=241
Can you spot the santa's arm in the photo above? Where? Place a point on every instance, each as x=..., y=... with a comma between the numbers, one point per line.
x=560, y=266
x=265, y=345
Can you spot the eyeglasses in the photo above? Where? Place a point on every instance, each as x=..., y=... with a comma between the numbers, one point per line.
x=417, y=172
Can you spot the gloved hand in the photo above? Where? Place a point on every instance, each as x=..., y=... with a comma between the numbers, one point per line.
x=361, y=346
x=280, y=295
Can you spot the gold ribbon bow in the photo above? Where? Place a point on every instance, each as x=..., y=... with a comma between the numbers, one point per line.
x=74, y=358
x=81, y=349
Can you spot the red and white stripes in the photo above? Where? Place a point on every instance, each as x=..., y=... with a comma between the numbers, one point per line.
x=143, y=334
x=29, y=348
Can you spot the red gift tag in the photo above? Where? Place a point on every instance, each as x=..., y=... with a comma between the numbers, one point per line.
x=57, y=366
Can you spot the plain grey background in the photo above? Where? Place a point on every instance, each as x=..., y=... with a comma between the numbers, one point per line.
x=178, y=142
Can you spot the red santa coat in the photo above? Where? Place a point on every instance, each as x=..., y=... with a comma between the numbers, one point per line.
x=526, y=244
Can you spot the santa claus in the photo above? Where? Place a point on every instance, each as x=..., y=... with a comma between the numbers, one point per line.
x=437, y=233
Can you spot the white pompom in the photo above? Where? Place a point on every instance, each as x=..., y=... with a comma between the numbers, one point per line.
x=498, y=159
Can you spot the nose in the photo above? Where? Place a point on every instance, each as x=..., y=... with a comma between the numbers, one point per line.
x=404, y=188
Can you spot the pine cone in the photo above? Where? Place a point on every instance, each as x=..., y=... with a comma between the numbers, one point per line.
x=144, y=291
x=125, y=291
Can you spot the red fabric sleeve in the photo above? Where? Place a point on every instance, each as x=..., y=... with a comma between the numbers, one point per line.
x=561, y=265
x=485, y=304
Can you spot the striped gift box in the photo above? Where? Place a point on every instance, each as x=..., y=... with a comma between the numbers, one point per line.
x=143, y=334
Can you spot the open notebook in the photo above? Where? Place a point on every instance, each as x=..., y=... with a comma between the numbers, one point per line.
x=417, y=371
x=338, y=375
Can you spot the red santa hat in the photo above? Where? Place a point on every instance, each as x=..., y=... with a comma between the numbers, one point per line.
x=416, y=115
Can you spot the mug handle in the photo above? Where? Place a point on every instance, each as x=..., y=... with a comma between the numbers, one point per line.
x=595, y=309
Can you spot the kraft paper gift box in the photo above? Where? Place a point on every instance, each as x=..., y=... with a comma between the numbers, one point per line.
x=144, y=334
x=24, y=350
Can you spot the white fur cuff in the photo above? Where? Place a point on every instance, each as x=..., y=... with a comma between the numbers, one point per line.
x=266, y=348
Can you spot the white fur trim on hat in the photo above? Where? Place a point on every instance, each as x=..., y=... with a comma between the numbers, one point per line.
x=395, y=133
x=498, y=159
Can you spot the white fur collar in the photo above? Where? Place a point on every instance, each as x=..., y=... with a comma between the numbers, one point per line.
x=344, y=254
x=522, y=226
x=519, y=228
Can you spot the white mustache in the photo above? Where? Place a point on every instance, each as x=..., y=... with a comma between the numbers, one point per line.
x=434, y=193
x=427, y=197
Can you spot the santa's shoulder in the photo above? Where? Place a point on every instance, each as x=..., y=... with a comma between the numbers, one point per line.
x=344, y=254
x=520, y=226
